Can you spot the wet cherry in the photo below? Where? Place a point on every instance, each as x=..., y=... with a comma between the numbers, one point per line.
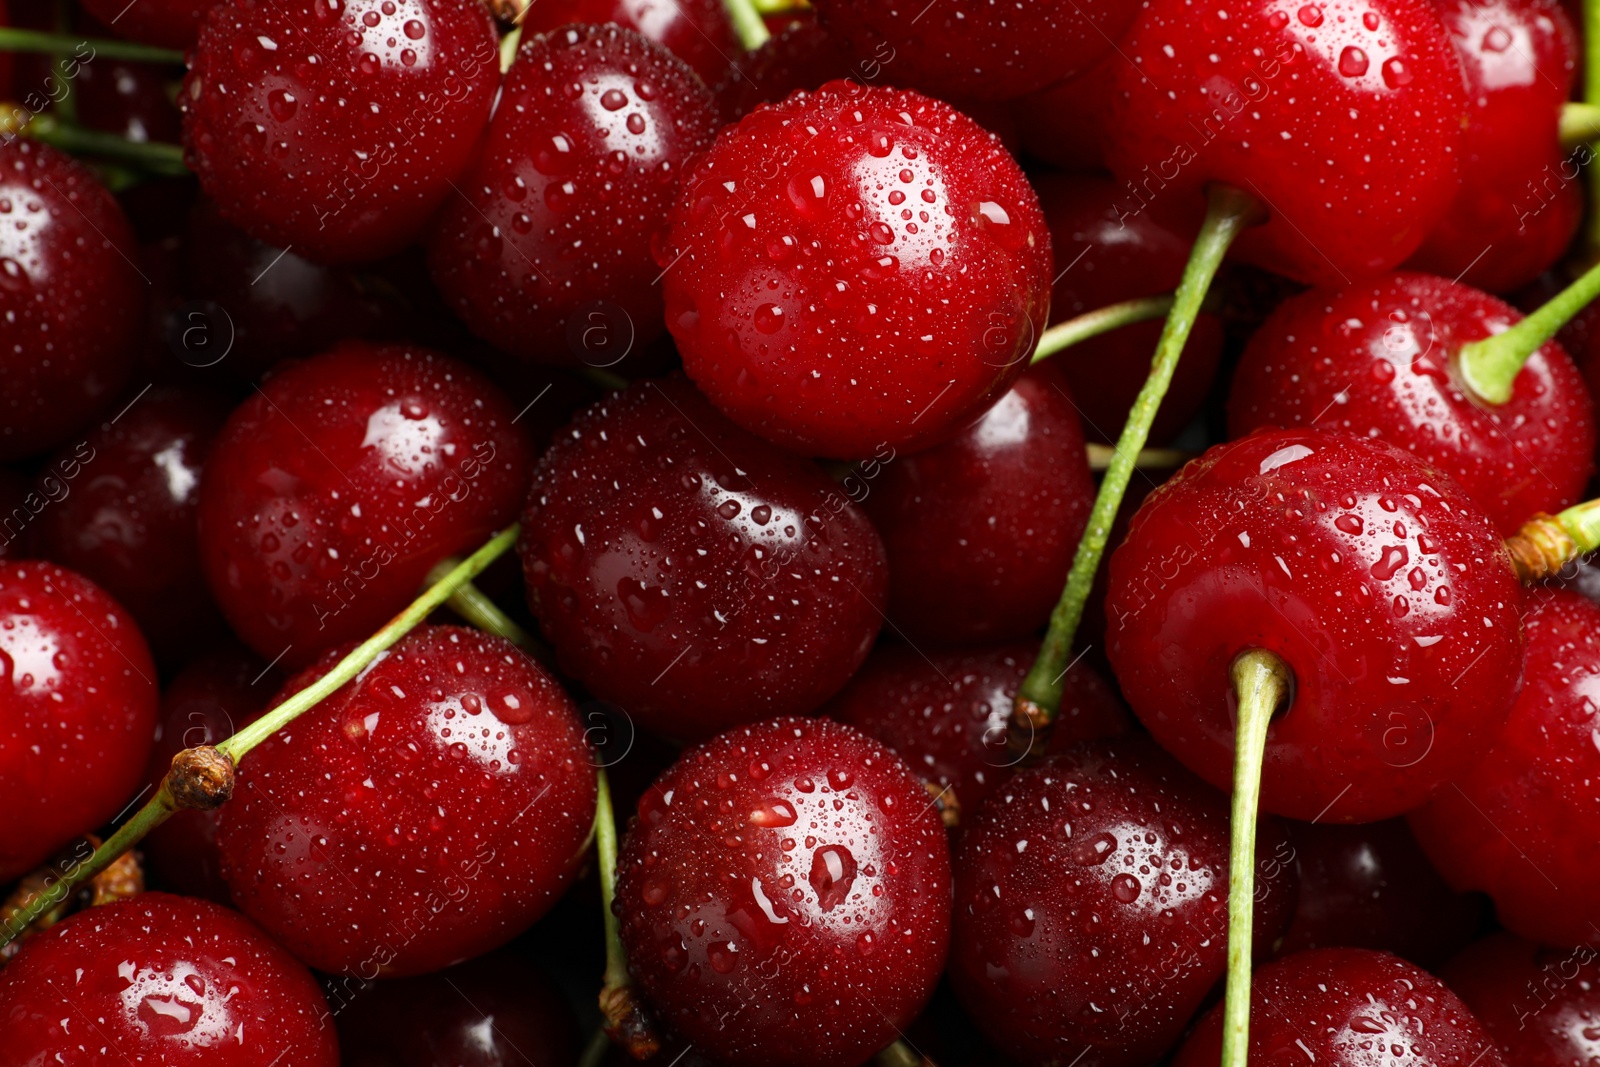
x=696, y=31
x=168, y=23
x=1540, y=1005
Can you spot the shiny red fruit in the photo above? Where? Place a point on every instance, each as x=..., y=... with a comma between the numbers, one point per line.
x=1541, y=1006
x=332, y=492
x=785, y=895
x=692, y=573
x=856, y=269
x=336, y=129
x=1091, y=906
x=167, y=23
x=696, y=31
x=1342, y=118
x=162, y=981
x=425, y=813
x=1378, y=359
x=1381, y=586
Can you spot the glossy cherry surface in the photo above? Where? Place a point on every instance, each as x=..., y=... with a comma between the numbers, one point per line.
x=425, y=813
x=1540, y=1005
x=1379, y=359
x=337, y=128
x=1386, y=592
x=1091, y=906
x=1342, y=118
x=696, y=31
x=547, y=252
x=785, y=895
x=168, y=23
x=691, y=572
x=332, y=492
x=162, y=981
x=78, y=699
x=855, y=268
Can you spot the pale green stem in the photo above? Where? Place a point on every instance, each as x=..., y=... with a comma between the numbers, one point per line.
x=1101, y=320
x=1489, y=367
x=747, y=24
x=85, y=49
x=1148, y=459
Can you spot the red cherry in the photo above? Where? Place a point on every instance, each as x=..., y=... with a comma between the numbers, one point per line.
x=79, y=704
x=692, y=573
x=785, y=895
x=1347, y=1007
x=162, y=980
x=1091, y=906
x=1379, y=359
x=547, y=252
x=167, y=23
x=802, y=56
x=1379, y=584
x=427, y=812
x=1539, y=1005
x=130, y=100
x=1342, y=118
x=855, y=269
x=696, y=31
x=330, y=494
x=337, y=129
x=69, y=287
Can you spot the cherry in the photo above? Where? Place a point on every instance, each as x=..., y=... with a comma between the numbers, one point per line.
x=801, y=56
x=1383, y=589
x=785, y=895
x=72, y=301
x=855, y=269
x=162, y=980
x=79, y=700
x=1381, y=359
x=696, y=31
x=330, y=493
x=1091, y=904
x=1342, y=118
x=1540, y=1005
x=547, y=252
x=168, y=23
x=1064, y=125
x=692, y=573
x=1347, y=1007
x=428, y=811
x=127, y=99
x=337, y=129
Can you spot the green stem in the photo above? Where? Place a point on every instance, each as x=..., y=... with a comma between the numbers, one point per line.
x=1261, y=682
x=1148, y=459
x=1101, y=320
x=508, y=47
x=595, y=1054
x=48, y=129
x=1580, y=124
x=605, y=846
x=1547, y=543
x=473, y=605
x=1490, y=366
x=15, y=40
x=609, y=381
x=747, y=23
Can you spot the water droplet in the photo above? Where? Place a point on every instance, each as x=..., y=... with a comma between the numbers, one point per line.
x=1370, y=21
x=1352, y=62
x=1310, y=15
x=1125, y=887
x=833, y=871
x=1396, y=74
x=1392, y=559
x=613, y=99
x=1350, y=524
x=774, y=813
x=1094, y=850
x=768, y=318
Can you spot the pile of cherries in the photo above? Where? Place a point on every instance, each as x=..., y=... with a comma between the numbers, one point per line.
x=765, y=328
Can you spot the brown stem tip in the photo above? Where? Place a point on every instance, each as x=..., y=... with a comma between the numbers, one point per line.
x=1541, y=548
x=945, y=799
x=201, y=778
x=628, y=1022
x=1029, y=731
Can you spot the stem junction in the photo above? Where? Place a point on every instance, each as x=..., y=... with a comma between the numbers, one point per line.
x=1490, y=366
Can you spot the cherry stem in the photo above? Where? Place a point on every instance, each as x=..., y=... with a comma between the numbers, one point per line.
x=626, y=1022
x=1580, y=124
x=49, y=129
x=609, y=381
x=747, y=23
x=1490, y=366
x=901, y=1054
x=1261, y=682
x=15, y=40
x=474, y=605
x=1039, y=697
x=509, y=45
x=1547, y=543
x=1101, y=320
x=1148, y=459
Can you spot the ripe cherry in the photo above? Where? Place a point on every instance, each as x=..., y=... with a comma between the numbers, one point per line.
x=546, y=253
x=785, y=895
x=168, y=23
x=855, y=269
x=696, y=31
x=1540, y=1005
x=692, y=573
x=1382, y=587
x=426, y=812
x=337, y=129
x=802, y=56
x=162, y=980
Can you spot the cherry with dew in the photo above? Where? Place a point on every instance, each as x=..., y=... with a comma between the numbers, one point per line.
x=1540, y=1005
x=696, y=31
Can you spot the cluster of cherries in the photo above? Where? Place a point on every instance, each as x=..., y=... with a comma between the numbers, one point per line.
x=743, y=319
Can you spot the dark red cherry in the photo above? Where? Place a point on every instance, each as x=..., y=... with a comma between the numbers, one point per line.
x=425, y=813
x=168, y=23
x=162, y=981
x=1540, y=1005
x=855, y=269
x=785, y=895
x=130, y=100
x=78, y=697
x=1519, y=202
x=1378, y=582
x=1109, y=255
x=692, y=573
x=696, y=31
x=1343, y=118
x=336, y=129
x=547, y=252
x=1091, y=905
x=1348, y=1007
x=332, y=492
x=1379, y=359
x=71, y=298
x=801, y=56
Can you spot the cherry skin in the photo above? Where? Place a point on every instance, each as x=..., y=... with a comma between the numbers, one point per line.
x=331, y=493
x=72, y=301
x=803, y=55
x=1342, y=118
x=1348, y=1007
x=696, y=31
x=855, y=269
x=78, y=695
x=1064, y=125
x=785, y=895
x=167, y=23
x=1091, y=906
x=337, y=129
x=128, y=99
x=548, y=250
x=692, y=573
x=427, y=812
x=1540, y=1005
x=1378, y=359
x=162, y=981
x=1380, y=585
